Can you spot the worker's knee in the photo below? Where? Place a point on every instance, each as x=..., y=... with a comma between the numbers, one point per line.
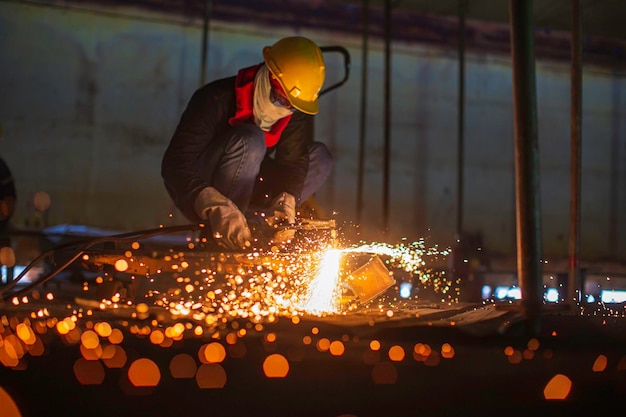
x=250, y=137
x=321, y=157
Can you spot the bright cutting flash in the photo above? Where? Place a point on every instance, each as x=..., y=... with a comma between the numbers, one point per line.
x=323, y=294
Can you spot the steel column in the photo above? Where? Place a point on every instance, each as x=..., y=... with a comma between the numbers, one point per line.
x=363, y=114
x=526, y=161
x=208, y=9
x=387, y=117
x=575, y=282
x=460, y=122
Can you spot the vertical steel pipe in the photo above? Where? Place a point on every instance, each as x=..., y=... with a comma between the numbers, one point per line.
x=205, y=40
x=363, y=113
x=460, y=122
x=387, y=117
x=575, y=282
x=527, y=194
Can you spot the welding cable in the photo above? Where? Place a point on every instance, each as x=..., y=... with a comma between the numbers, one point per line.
x=6, y=294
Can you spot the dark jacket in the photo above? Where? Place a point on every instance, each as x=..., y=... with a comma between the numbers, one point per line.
x=207, y=116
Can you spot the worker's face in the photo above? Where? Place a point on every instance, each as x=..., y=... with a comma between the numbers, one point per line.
x=277, y=95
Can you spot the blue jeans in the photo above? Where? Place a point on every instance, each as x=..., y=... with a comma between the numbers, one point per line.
x=235, y=160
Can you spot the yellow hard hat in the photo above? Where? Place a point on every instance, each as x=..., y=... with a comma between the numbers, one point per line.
x=298, y=65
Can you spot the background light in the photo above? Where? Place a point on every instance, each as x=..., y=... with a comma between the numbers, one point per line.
x=405, y=289
x=552, y=295
x=613, y=296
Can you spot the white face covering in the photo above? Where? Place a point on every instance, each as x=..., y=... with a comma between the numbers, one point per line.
x=265, y=112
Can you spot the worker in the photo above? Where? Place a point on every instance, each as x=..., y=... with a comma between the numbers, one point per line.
x=243, y=145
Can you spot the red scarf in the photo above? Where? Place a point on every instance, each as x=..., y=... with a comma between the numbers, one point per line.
x=244, y=92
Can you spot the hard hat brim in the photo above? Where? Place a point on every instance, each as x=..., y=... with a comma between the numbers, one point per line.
x=308, y=107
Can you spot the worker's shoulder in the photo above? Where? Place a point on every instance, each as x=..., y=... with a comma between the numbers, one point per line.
x=217, y=89
x=223, y=84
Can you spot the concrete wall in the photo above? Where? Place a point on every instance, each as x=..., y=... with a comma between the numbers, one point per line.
x=89, y=100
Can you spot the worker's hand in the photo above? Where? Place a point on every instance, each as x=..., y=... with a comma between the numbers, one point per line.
x=228, y=224
x=282, y=210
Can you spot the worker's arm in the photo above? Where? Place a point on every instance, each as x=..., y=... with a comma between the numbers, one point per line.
x=206, y=114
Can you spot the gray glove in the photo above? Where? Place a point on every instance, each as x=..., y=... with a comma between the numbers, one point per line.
x=282, y=210
x=229, y=225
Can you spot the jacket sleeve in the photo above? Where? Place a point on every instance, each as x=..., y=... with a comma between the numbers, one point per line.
x=292, y=153
x=206, y=114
